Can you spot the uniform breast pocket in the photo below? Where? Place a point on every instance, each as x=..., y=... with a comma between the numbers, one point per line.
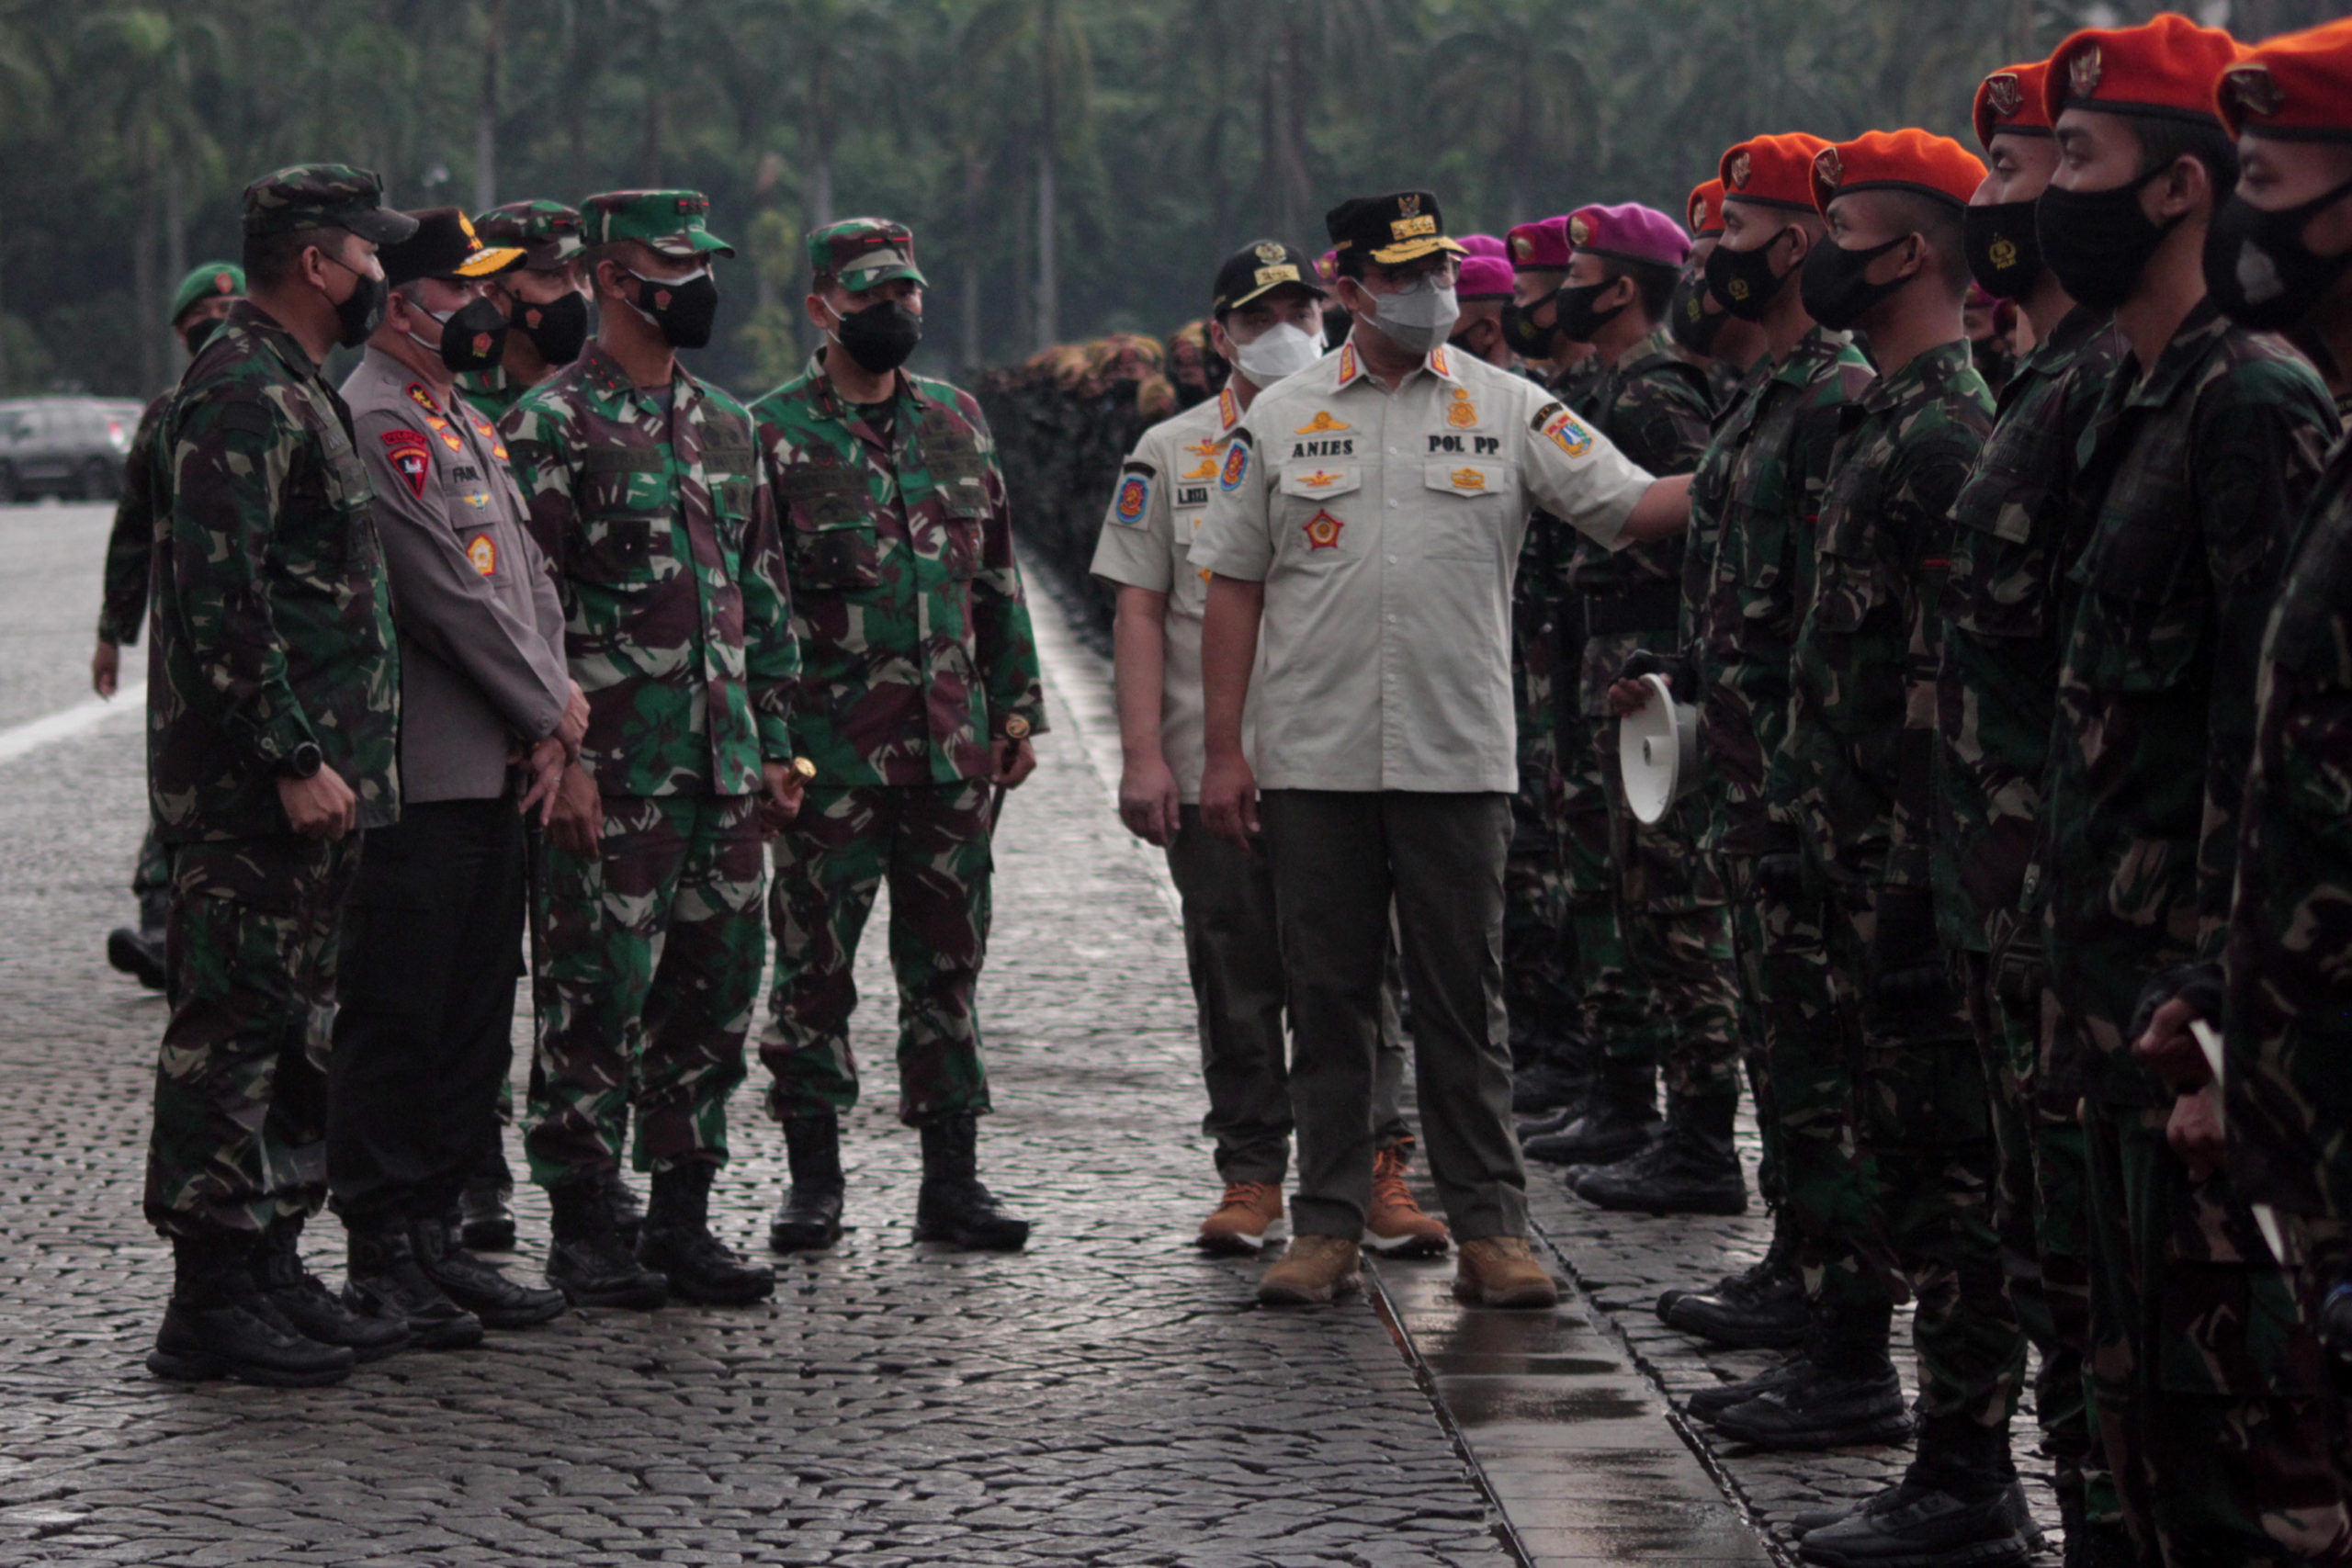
x=2145, y=607
x=960, y=544
x=625, y=549
x=831, y=540
x=2313, y=632
x=1467, y=511
x=1311, y=531
x=1997, y=587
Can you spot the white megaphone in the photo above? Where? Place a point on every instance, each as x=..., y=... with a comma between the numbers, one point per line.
x=1658, y=749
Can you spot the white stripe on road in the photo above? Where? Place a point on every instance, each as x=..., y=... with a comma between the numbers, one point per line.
x=32, y=736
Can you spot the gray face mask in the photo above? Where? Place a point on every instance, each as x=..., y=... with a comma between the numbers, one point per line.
x=1417, y=317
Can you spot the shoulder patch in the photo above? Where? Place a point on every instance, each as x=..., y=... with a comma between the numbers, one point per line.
x=1567, y=434
x=1236, y=465
x=1546, y=412
x=411, y=457
x=1134, y=495
x=248, y=417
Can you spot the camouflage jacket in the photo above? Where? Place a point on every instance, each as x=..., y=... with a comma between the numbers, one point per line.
x=2187, y=476
x=1996, y=678
x=659, y=528
x=493, y=391
x=130, y=545
x=2289, y=955
x=915, y=639
x=1856, y=758
x=273, y=625
x=1655, y=406
x=1762, y=481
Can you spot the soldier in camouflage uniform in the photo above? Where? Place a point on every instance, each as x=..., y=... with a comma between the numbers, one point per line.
x=199, y=305
x=653, y=512
x=546, y=302
x=273, y=705
x=2206, y=1380
x=1996, y=697
x=917, y=703
x=1756, y=495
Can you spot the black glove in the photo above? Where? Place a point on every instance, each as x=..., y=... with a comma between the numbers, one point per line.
x=2199, y=985
x=1681, y=678
x=1908, y=968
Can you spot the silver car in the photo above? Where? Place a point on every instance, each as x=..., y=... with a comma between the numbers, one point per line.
x=71, y=447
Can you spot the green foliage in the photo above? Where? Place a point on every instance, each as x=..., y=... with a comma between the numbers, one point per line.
x=1177, y=130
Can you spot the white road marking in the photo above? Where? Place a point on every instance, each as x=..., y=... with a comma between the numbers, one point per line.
x=21, y=739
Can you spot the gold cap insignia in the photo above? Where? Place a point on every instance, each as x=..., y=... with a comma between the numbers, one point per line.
x=2255, y=88
x=1698, y=214
x=2002, y=91
x=1579, y=232
x=1269, y=253
x=1739, y=172
x=1827, y=168
x=1522, y=247
x=2082, y=71
x=1409, y=204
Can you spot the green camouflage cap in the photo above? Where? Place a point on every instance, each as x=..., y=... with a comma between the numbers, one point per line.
x=863, y=252
x=547, y=231
x=226, y=279
x=669, y=221
x=324, y=195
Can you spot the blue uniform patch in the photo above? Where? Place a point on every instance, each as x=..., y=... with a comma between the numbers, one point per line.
x=1134, y=499
x=1237, y=466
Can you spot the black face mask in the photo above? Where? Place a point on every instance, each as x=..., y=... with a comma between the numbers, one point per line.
x=2004, y=254
x=473, y=337
x=200, y=332
x=2258, y=269
x=358, y=313
x=1835, y=293
x=1526, y=339
x=1336, y=322
x=1578, y=320
x=2098, y=242
x=557, y=330
x=880, y=336
x=685, y=310
x=1742, y=282
x=1688, y=319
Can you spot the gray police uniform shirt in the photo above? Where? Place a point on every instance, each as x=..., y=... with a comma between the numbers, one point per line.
x=1146, y=542
x=1385, y=527
x=479, y=623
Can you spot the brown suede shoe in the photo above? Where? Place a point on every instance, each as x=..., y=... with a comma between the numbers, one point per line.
x=1243, y=1220
x=1316, y=1269
x=1501, y=1271
x=1395, y=1226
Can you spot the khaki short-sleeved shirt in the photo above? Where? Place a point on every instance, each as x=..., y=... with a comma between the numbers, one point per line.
x=1386, y=526
x=1146, y=542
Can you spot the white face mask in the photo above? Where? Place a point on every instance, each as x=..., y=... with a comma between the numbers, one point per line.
x=1418, y=317
x=1281, y=350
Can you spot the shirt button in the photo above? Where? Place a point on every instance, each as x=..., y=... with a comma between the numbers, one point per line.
x=1391, y=506
x=1392, y=560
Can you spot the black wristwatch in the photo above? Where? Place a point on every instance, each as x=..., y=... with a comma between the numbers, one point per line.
x=304, y=761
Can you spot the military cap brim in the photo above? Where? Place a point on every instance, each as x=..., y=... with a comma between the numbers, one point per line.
x=690, y=243
x=1304, y=281
x=492, y=261
x=1258, y=269
x=382, y=225
x=858, y=279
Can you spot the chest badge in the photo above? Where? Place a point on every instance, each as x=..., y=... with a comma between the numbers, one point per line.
x=1469, y=478
x=1460, y=412
x=1207, y=469
x=1322, y=424
x=482, y=554
x=1318, y=480
x=1323, y=532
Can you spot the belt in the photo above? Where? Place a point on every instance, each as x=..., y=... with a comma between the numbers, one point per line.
x=1652, y=606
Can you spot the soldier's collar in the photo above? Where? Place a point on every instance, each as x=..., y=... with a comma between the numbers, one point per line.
x=604, y=373
x=1818, y=346
x=1660, y=341
x=1888, y=390
x=828, y=398
x=2200, y=331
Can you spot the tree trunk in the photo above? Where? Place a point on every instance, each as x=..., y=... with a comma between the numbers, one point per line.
x=1048, y=208
x=974, y=183
x=1296, y=190
x=175, y=261
x=486, y=111
x=656, y=104
x=147, y=301
x=821, y=139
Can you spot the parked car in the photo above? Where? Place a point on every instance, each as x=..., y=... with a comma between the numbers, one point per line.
x=71, y=447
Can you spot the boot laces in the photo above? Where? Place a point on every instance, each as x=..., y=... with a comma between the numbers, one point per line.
x=1241, y=1195
x=1388, y=1188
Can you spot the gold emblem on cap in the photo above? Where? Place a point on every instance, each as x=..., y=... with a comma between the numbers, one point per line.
x=1828, y=168
x=2255, y=88
x=1739, y=166
x=1016, y=729
x=2083, y=71
x=1269, y=253
x=1409, y=204
x=1698, y=213
x=1522, y=247
x=2004, y=92
x=1579, y=232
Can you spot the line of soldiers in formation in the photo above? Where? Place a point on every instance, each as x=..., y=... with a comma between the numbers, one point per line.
x=2010, y=599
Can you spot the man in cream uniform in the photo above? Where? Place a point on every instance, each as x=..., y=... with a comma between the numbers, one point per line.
x=1367, y=514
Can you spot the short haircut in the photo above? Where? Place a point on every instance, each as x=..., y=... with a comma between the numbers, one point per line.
x=270, y=258
x=412, y=290
x=1942, y=225
x=2164, y=140
x=1653, y=281
x=1349, y=261
x=619, y=251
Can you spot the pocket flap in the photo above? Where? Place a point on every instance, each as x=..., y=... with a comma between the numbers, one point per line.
x=1317, y=481
x=1463, y=475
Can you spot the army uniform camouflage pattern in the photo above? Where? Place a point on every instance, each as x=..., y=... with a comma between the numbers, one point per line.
x=492, y=393
x=122, y=612
x=1542, y=986
x=917, y=656
x=1855, y=767
x=2196, y=1341
x=660, y=527
x=1995, y=698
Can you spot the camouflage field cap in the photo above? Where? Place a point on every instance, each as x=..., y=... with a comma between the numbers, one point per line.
x=325, y=196
x=222, y=279
x=672, y=221
x=548, y=232
x=863, y=252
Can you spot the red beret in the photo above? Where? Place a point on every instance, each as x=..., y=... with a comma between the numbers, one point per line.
x=1777, y=170
x=2298, y=86
x=2167, y=68
x=1707, y=209
x=1541, y=247
x=2008, y=102
x=1910, y=159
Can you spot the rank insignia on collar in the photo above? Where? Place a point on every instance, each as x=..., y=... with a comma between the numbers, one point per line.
x=1228, y=413
x=1322, y=424
x=2082, y=71
x=2255, y=88
x=2001, y=91
x=423, y=398
x=1322, y=532
x=1462, y=414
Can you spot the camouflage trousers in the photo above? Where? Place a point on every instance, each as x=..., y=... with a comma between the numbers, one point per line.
x=150, y=879
x=2208, y=1385
x=240, y=1083
x=1620, y=1015
x=650, y=957
x=931, y=843
x=1539, y=976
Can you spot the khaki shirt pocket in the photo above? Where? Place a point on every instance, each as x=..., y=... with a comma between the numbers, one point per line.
x=1467, y=516
x=1308, y=533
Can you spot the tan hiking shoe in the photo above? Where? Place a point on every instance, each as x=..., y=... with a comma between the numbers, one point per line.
x=1316, y=1269
x=1395, y=1227
x=1244, y=1220
x=1501, y=1271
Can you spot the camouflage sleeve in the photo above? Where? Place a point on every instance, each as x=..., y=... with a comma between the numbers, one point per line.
x=2262, y=453
x=539, y=445
x=231, y=451
x=1663, y=421
x=130, y=546
x=1919, y=530
x=1007, y=644
x=771, y=649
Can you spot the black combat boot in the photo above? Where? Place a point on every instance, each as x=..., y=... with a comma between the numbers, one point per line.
x=2093, y=1544
x=1841, y=1391
x=219, y=1324
x=1780, y=1257
x=1620, y=1119
x=586, y=1258
x=1693, y=1169
x=810, y=1219
x=1709, y=1403
x=316, y=1312
x=486, y=1214
x=1762, y=1311
x=952, y=1207
x=677, y=1241
x=1956, y=1506
x=479, y=1286
x=629, y=1210
x=386, y=1284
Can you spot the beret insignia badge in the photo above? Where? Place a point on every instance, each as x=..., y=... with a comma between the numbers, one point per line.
x=1409, y=205
x=1739, y=167
x=1828, y=169
x=1698, y=215
x=1269, y=253
x=2001, y=91
x=1522, y=247
x=2255, y=89
x=2082, y=71
x=1579, y=232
